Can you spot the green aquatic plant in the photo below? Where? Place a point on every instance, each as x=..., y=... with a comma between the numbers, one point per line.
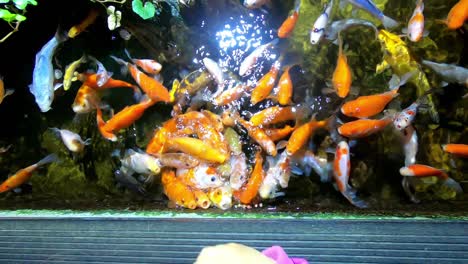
x=13, y=12
x=145, y=9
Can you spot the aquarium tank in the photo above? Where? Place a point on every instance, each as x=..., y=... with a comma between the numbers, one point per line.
x=237, y=108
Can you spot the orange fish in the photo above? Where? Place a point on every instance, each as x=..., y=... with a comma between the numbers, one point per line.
x=4, y=93
x=285, y=88
x=367, y=106
x=416, y=23
x=177, y=191
x=91, y=80
x=85, y=100
x=341, y=171
x=265, y=85
x=156, y=144
x=152, y=87
x=419, y=170
x=274, y=115
x=259, y=135
x=276, y=134
x=25, y=174
x=77, y=29
x=288, y=25
x=457, y=15
x=198, y=123
x=363, y=127
x=256, y=178
x=197, y=148
x=342, y=76
x=231, y=95
x=301, y=135
x=123, y=119
x=149, y=66
x=457, y=149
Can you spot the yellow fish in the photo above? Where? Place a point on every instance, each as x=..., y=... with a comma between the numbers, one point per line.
x=397, y=56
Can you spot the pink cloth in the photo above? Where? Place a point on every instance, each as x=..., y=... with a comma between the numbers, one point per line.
x=278, y=254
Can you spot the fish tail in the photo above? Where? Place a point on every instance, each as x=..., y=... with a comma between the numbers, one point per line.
x=274, y=42
x=60, y=34
x=128, y=54
x=297, y=5
x=452, y=184
x=118, y=60
x=55, y=130
x=48, y=159
x=389, y=22
x=350, y=195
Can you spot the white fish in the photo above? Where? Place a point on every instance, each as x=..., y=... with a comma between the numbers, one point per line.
x=342, y=169
x=410, y=144
x=415, y=30
x=217, y=73
x=331, y=32
x=221, y=197
x=371, y=8
x=42, y=86
x=320, y=24
x=239, y=171
x=250, y=60
x=203, y=176
x=449, y=72
x=102, y=74
x=277, y=175
x=253, y=4
x=72, y=141
x=140, y=163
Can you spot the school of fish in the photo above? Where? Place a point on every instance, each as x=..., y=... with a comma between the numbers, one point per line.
x=211, y=152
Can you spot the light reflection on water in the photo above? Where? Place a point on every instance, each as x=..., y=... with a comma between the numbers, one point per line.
x=236, y=38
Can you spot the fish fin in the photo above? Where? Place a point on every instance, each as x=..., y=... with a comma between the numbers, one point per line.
x=274, y=42
x=328, y=90
x=17, y=190
x=297, y=5
x=425, y=33
x=443, y=84
x=352, y=143
x=57, y=86
x=451, y=183
x=124, y=70
x=8, y=92
x=296, y=170
x=281, y=145
x=119, y=60
x=389, y=22
x=404, y=30
x=87, y=141
x=395, y=104
x=175, y=87
x=128, y=54
x=55, y=130
x=389, y=113
x=406, y=187
x=325, y=175
x=137, y=94
x=48, y=159
x=350, y=194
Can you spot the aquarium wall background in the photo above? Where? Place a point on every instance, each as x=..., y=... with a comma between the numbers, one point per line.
x=238, y=117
